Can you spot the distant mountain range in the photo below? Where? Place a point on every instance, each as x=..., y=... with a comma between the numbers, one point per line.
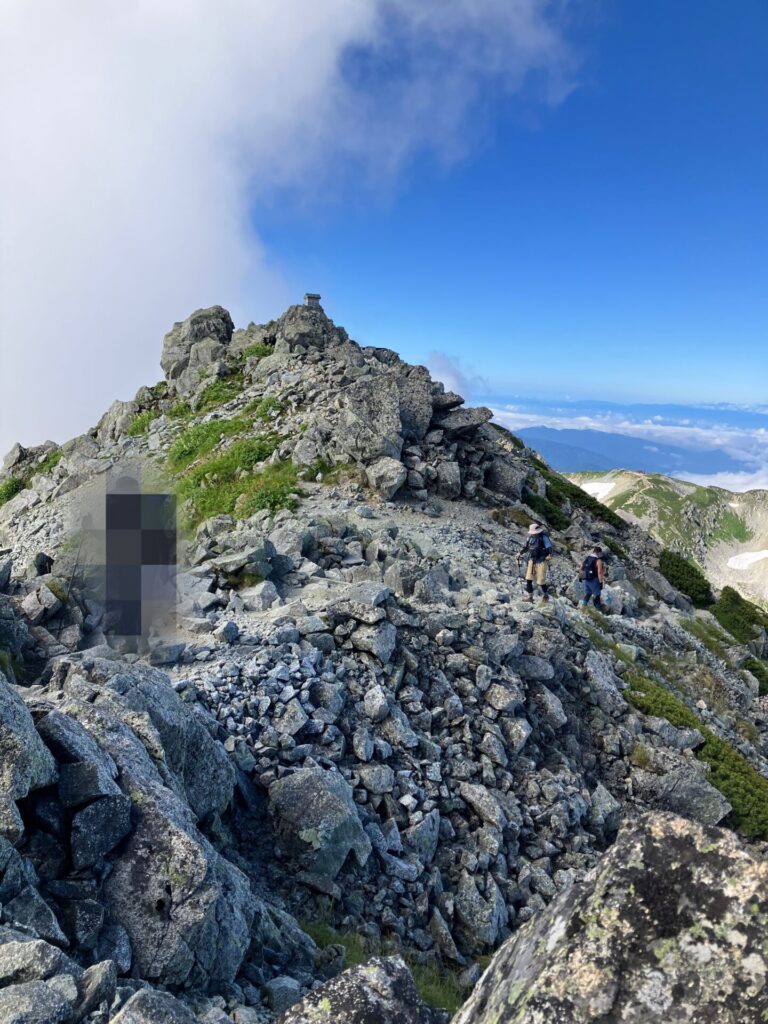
x=585, y=451
x=726, y=533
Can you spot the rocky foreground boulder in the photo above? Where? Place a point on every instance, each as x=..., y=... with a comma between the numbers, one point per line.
x=671, y=926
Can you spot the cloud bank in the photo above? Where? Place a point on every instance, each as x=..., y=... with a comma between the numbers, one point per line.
x=741, y=432
x=138, y=136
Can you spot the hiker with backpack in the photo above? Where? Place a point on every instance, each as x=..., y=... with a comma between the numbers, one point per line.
x=593, y=576
x=538, y=548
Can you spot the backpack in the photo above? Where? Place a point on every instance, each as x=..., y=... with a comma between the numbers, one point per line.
x=540, y=547
x=589, y=567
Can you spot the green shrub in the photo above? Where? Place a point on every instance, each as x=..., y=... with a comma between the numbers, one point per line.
x=259, y=351
x=141, y=421
x=685, y=577
x=742, y=785
x=273, y=489
x=759, y=670
x=549, y=512
x=11, y=487
x=740, y=617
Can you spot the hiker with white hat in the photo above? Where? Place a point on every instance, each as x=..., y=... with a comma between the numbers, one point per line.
x=538, y=547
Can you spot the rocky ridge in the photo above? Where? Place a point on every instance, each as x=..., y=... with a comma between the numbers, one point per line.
x=358, y=722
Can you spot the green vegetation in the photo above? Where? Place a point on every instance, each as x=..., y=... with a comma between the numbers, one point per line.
x=11, y=487
x=551, y=513
x=438, y=986
x=52, y=459
x=512, y=438
x=181, y=411
x=265, y=410
x=740, y=617
x=511, y=516
x=713, y=639
x=259, y=351
x=616, y=547
x=219, y=391
x=730, y=527
x=227, y=485
x=686, y=577
x=140, y=422
x=560, y=490
x=202, y=438
x=741, y=784
x=759, y=670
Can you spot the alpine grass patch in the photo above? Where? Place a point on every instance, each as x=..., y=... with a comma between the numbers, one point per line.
x=140, y=422
x=213, y=486
x=202, y=438
x=218, y=392
x=742, y=785
x=257, y=351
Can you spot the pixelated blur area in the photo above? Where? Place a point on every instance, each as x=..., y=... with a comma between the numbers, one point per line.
x=129, y=547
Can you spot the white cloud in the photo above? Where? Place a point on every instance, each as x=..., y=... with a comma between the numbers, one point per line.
x=450, y=373
x=757, y=480
x=137, y=136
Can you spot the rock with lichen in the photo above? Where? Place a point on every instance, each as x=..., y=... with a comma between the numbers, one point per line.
x=670, y=926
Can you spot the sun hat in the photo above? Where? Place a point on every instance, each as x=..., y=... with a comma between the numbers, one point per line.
x=534, y=528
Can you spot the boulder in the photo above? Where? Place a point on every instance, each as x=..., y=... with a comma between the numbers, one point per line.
x=369, y=426
x=670, y=926
x=684, y=791
x=25, y=761
x=386, y=476
x=462, y=421
x=150, y=1007
x=317, y=820
x=380, y=991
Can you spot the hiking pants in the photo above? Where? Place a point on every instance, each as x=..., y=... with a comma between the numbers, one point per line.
x=537, y=571
x=594, y=590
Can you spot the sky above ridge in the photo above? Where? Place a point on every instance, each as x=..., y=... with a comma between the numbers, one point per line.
x=564, y=201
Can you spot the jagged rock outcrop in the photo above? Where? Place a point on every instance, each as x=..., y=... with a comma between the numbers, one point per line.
x=194, y=348
x=670, y=926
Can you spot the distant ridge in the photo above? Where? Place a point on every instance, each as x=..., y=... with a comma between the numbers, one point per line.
x=581, y=451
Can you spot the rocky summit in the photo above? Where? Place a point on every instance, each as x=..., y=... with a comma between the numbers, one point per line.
x=362, y=780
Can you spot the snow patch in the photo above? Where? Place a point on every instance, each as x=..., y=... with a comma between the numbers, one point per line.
x=598, y=488
x=747, y=558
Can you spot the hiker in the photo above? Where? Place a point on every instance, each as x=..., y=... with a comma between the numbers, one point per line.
x=538, y=547
x=593, y=576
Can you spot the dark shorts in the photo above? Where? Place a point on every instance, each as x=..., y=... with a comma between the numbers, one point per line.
x=594, y=587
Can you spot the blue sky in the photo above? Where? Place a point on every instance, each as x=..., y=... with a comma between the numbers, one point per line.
x=558, y=199
x=612, y=246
